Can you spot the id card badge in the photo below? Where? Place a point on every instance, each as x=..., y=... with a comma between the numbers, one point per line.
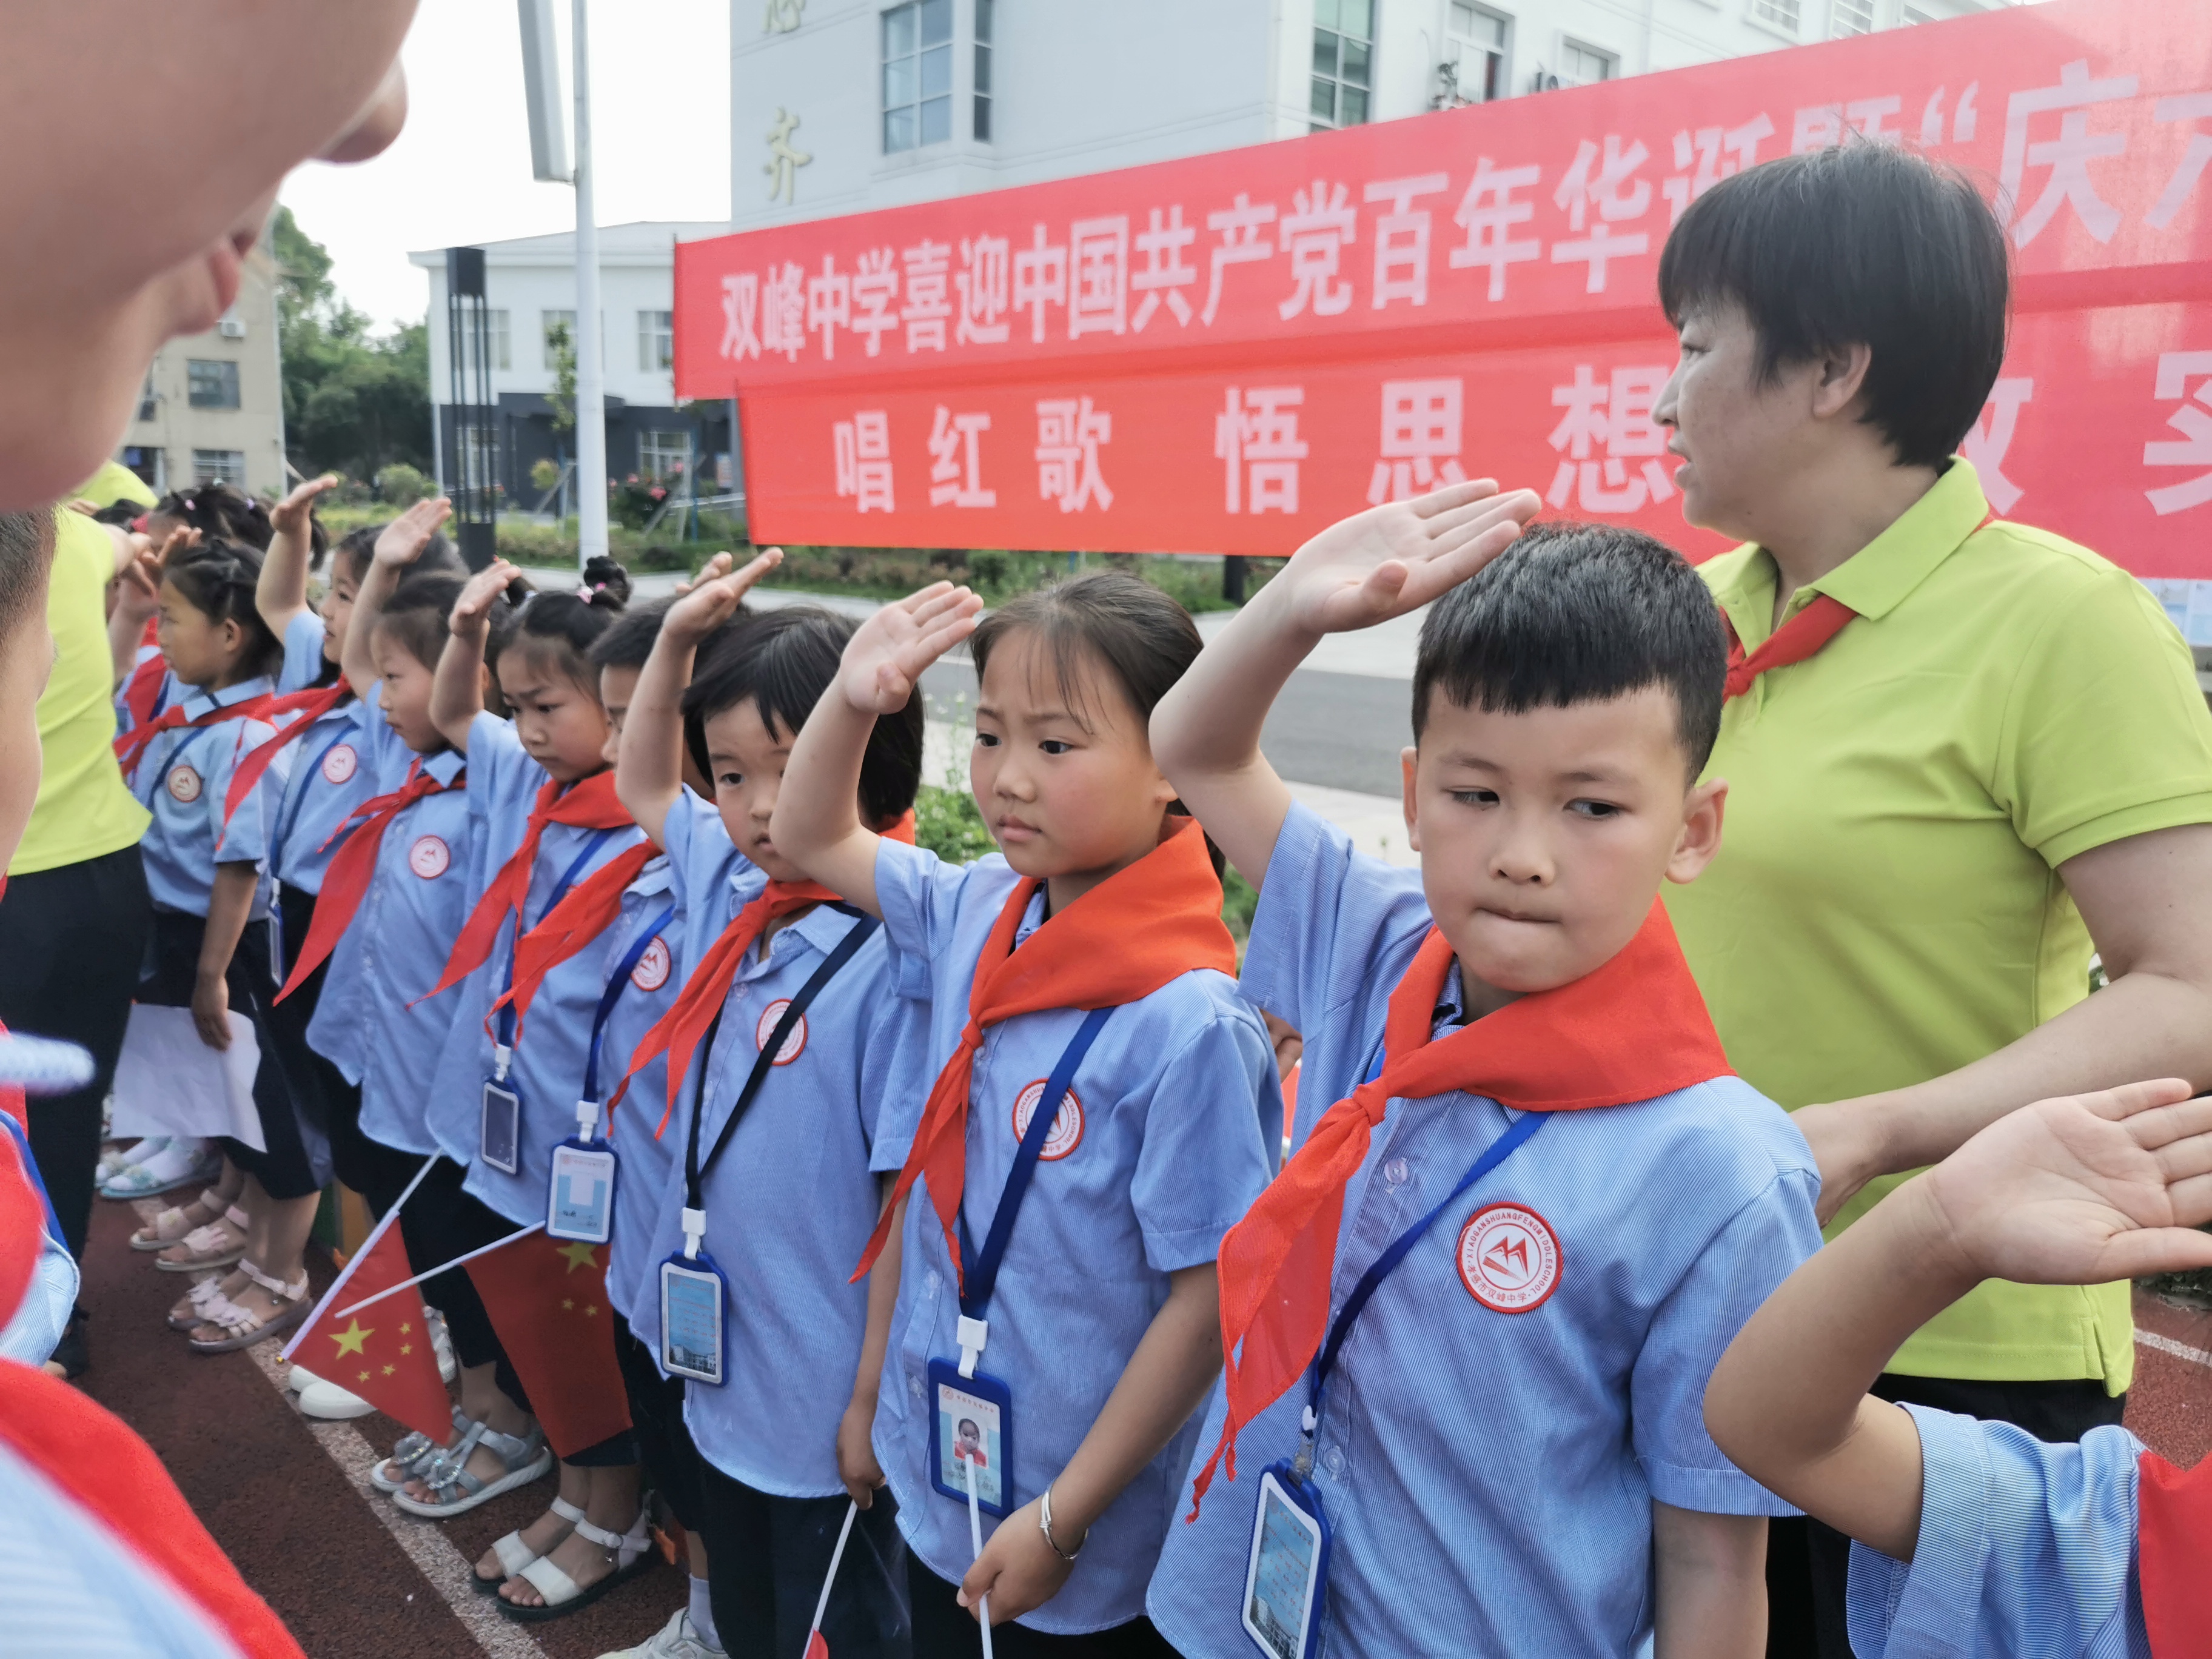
x=500, y=1144
x=971, y=1422
x=1288, y=1566
x=692, y=1296
x=579, y=1199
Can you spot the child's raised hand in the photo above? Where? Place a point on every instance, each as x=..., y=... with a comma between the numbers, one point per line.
x=1396, y=558
x=886, y=656
x=711, y=597
x=141, y=589
x=2084, y=1189
x=406, y=536
x=290, y=516
x=472, y=611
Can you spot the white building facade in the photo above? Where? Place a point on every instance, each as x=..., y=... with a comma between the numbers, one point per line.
x=842, y=105
x=212, y=409
x=530, y=286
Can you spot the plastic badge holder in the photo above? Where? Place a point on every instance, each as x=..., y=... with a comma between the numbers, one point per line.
x=693, y=1294
x=500, y=1144
x=972, y=1420
x=579, y=1195
x=1288, y=1565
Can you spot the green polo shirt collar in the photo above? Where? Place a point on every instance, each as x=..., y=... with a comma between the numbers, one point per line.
x=1877, y=577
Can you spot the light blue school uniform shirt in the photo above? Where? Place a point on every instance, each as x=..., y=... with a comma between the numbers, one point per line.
x=547, y=1070
x=182, y=777
x=332, y=770
x=70, y=1588
x=1489, y=1476
x=794, y=1198
x=2025, y=1548
x=648, y=990
x=172, y=688
x=1172, y=1113
x=369, y=1021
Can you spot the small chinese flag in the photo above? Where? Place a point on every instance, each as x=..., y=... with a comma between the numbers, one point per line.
x=548, y=1301
x=817, y=1648
x=382, y=1352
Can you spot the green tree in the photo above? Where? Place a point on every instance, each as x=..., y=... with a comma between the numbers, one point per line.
x=355, y=401
x=563, y=350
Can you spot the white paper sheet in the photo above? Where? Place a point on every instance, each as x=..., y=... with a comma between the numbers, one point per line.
x=167, y=1082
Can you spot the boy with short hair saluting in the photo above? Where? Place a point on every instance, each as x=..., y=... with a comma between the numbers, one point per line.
x=1103, y=1107
x=1974, y=1539
x=1467, y=1329
x=786, y=1099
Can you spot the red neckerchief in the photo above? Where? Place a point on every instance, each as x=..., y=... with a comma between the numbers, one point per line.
x=581, y=916
x=1632, y=1030
x=1133, y=932
x=345, y=882
x=132, y=744
x=677, y=1032
x=588, y=804
x=1801, y=637
x=144, y=688
x=310, y=705
x=2174, y=1510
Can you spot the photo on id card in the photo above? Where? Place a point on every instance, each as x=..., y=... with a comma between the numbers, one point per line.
x=970, y=1433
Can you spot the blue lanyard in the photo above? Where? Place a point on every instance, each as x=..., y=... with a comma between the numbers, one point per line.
x=1496, y=1153
x=505, y=1038
x=979, y=1273
x=612, y=995
x=290, y=820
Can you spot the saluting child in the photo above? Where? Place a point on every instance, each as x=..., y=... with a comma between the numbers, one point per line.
x=514, y=1063
x=787, y=1042
x=1103, y=1109
x=1468, y=1328
x=209, y=950
x=1974, y=1539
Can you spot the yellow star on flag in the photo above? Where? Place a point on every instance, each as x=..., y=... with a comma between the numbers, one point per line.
x=590, y=1312
x=579, y=1255
x=407, y=1347
x=406, y=1329
x=350, y=1340
x=364, y=1376
x=567, y=1304
x=388, y=1371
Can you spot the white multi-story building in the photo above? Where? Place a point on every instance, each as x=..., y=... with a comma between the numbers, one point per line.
x=839, y=106
x=213, y=405
x=530, y=286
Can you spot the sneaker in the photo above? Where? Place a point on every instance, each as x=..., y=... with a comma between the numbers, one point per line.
x=121, y=1155
x=676, y=1639
x=327, y=1400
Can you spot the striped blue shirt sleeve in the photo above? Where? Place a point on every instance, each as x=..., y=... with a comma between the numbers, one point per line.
x=2025, y=1548
x=303, y=652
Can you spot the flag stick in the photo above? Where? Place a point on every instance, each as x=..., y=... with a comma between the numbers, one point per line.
x=497, y=1245
x=836, y=1555
x=975, y=1539
x=346, y=1273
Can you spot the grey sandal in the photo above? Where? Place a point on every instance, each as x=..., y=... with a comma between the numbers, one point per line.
x=411, y=1454
x=455, y=1490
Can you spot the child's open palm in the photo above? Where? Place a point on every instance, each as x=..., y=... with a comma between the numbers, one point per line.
x=887, y=654
x=406, y=536
x=2084, y=1189
x=290, y=516
x=471, y=611
x=711, y=597
x=1396, y=558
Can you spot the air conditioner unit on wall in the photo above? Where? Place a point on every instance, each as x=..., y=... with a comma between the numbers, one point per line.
x=232, y=328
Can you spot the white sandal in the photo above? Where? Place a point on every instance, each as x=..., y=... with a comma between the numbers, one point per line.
x=218, y=1244
x=630, y=1551
x=514, y=1555
x=172, y=1225
x=524, y=1458
x=199, y=1296
x=241, y=1327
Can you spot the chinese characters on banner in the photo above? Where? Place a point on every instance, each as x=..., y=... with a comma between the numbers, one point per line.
x=1224, y=354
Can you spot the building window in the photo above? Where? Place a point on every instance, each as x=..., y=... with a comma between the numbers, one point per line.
x=656, y=341
x=150, y=405
x=660, y=456
x=982, y=71
x=1851, y=17
x=1914, y=15
x=211, y=383
x=500, y=353
x=550, y=320
x=1475, y=47
x=1582, y=66
x=1343, y=57
x=219, y=466
x=1779, y=14
x=917, y=75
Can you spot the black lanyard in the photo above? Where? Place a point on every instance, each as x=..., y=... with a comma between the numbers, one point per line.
x=979, y=1270
x=695, y=1173
x=609, y=997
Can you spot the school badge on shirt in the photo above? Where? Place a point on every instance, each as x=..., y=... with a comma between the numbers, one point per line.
x=429, y=857
x=1509, y=1258
x=183, y=785
x=794, y=1045
x=652, y=970
x=340, y=763
x=1067, y=1132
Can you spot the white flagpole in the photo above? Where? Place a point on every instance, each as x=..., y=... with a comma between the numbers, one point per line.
x=822, y=1607
x=975, y=1539
x=496, y=1244
x=346, y=1273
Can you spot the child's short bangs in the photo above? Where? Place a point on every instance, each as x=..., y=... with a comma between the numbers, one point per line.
x=550, y=655
x=1108, y=625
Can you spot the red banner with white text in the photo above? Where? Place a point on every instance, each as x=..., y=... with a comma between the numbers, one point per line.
x=1224, y=354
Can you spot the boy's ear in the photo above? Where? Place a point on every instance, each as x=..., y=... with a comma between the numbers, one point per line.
x=1409, y=760
x=1702, y=812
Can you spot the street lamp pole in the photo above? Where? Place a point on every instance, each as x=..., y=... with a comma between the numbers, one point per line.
x=591, y=374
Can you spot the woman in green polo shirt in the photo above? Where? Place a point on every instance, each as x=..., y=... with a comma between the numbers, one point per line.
x=1962, y=754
